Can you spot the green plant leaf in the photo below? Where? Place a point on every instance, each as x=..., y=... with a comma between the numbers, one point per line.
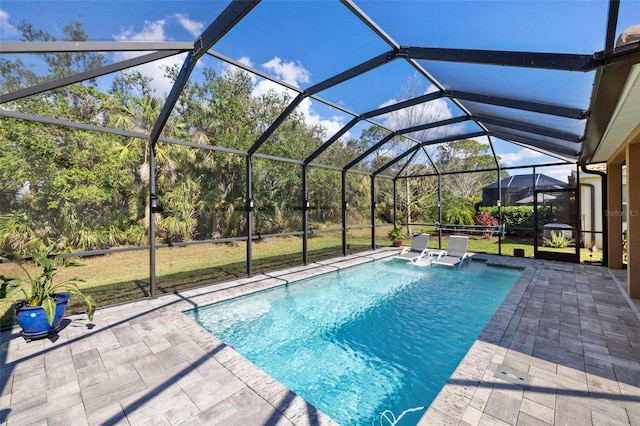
x=72, y=288
x=42, y=260
x=49, y=306
x=557, y=240
x=12, y=290
x=91, y=306
x=11, y=280
x=13, y=257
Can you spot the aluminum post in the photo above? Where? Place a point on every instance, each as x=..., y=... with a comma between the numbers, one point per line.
x=249, y=210
x=395, y=197
x=305, y=216
x=345, y=206
x=373, y=212
x=153, y=204
x=495, y=158
x=439, y=211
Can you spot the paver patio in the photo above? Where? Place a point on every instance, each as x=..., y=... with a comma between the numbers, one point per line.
x=563, y=348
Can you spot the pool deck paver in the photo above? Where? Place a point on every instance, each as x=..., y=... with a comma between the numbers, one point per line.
x=567, y=329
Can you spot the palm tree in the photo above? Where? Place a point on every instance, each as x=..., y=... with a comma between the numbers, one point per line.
x=138, y=114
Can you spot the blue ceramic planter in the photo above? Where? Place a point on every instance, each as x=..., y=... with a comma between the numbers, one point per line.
x=33, y=319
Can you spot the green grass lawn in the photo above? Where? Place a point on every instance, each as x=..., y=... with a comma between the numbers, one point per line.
x=122, y=277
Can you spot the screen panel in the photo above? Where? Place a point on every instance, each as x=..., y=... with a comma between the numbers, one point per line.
x=499, y=25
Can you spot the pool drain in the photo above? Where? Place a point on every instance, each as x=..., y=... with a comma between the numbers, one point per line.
x=512, y=375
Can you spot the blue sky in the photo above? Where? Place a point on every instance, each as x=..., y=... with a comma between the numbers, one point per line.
x=305, y=42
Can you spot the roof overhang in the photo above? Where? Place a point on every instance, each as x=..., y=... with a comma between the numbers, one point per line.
x=614, y=108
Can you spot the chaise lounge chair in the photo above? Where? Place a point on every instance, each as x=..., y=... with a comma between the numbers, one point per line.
x=418, y=249
x=456, y=253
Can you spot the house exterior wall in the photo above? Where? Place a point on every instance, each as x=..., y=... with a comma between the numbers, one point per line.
x=591, y=210
x=629, y=205
x=633, y=220
x=614, y=221
x=591, y=192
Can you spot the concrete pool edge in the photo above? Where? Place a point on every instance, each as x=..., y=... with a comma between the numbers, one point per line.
x=572, y=332
x=568, y=355
x=298, y=410
x=461, y=387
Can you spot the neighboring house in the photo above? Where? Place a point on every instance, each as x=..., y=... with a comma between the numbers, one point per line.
x=518, y=189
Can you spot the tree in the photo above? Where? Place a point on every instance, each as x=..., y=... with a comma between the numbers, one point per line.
x=63, y=64
x=220, y=111
x=179, y=188
x=91, y=190
x=62, y=180
x=465, y=156
x=368, y=138
x=410, y=117
x=325, y=196
x=56, y=180
x=458, y=210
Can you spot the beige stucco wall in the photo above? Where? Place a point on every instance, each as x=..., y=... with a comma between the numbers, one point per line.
x=586, y=220
x=599, y=210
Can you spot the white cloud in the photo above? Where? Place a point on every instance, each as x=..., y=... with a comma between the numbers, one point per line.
x=311, y=117
x=262, y=87
x=484, y=140
x=513, y=158
x=331, y=125
x=244, y=60
x=294, y=74
x=193, y=27
x=5, y=26
x=290, y=72
x=152, y=31
x=558, y=172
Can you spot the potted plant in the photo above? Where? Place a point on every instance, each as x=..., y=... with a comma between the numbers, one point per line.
x=45, y=299
x=397, y=234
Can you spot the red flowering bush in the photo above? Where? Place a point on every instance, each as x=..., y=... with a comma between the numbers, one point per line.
x=486, y=219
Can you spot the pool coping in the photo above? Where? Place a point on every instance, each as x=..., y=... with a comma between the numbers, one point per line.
x=298, y=410
x=477, y=362
x=136, y=360
x=253, y=376
x=560, y=349
x=567, y=328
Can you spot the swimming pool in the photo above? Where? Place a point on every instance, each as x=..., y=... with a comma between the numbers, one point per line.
x=385, y=335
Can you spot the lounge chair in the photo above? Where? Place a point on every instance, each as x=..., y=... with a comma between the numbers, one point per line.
x=456, y=253
x=418, y=249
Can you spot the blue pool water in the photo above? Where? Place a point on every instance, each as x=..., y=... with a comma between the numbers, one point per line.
x=385, y=335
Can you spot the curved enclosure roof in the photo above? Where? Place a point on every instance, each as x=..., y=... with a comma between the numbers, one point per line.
x=520, y=77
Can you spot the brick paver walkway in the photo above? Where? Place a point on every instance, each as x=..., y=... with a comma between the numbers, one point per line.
x=562, y=349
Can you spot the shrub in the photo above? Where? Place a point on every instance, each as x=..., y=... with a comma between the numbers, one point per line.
x=485, y=219
x=397, y=233
x=558, y=240
x=458, y=210
x=515, y=217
